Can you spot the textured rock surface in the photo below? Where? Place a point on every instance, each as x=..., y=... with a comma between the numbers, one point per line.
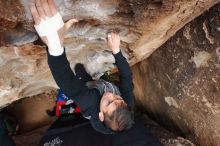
x=23, y=72
x=144, y=26
x=180, y=82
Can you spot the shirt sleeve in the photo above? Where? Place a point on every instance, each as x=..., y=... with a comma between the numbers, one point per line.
x=69, y=83
x=125, y=74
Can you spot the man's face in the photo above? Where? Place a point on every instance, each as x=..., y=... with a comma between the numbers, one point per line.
x=110, y=102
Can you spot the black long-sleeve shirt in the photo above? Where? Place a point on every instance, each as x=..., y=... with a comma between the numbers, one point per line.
x=89, y=99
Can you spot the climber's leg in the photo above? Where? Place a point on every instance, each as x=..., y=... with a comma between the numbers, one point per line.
x=81, y=73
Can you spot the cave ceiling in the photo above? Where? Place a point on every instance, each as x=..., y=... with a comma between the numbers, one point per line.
x=144, y=25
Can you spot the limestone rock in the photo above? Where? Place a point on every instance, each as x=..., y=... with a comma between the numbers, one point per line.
x=23, y=72
x=143, y=25
x=179, y=84
x=11, y=13
x=182, y=79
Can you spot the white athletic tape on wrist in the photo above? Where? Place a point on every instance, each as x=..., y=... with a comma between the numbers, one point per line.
x=49, y=28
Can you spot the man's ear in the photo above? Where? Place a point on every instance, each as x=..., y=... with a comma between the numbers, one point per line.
x=101, y=116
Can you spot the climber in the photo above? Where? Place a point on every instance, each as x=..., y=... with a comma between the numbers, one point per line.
x=108, y=108
x=99, y=101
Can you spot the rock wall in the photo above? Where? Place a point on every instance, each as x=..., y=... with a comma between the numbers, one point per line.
x=179, y=84
x=144, y=26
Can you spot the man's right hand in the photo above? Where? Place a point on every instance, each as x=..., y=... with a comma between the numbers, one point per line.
x=43, y=10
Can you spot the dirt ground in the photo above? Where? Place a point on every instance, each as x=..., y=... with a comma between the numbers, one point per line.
x=31, y=113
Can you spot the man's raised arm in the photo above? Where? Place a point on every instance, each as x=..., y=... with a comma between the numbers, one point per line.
x=126, y=85
x=51, y=28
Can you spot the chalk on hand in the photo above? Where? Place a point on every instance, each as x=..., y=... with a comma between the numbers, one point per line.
x=109, y=35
